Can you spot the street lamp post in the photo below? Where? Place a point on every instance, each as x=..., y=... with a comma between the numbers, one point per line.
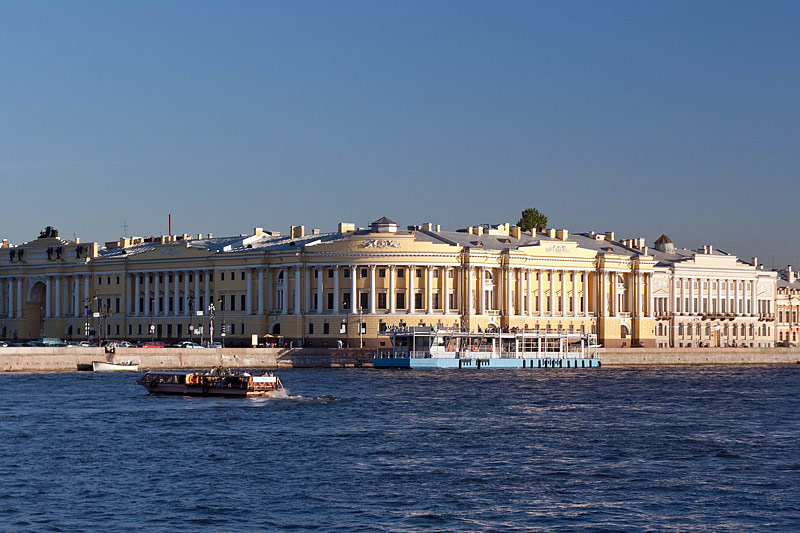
x=360, y=328
x=211, y=310
x=190, y=304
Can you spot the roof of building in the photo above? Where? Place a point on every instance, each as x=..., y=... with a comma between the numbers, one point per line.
x=384, y=221
x=664, y=239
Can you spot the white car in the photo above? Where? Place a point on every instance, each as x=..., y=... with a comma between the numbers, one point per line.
x=186, y=344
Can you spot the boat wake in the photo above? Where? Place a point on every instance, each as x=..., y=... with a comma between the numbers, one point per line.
x=284, y=394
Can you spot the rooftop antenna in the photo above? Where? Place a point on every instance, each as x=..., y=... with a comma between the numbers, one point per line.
x=170, y=224
x=125, y=229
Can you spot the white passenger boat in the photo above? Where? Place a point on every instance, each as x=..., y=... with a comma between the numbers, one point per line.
x=440, y=347
x=103, y=366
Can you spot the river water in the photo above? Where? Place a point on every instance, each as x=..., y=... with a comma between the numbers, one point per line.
x=367, y=450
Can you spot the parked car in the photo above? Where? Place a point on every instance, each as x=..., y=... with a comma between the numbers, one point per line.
x=3, y=344
x=152, y=344
x=186, y=344
x=215, y=345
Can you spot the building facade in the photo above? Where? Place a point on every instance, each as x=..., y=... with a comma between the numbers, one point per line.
x=787, y=306
x=320, y=289
x=708, y=298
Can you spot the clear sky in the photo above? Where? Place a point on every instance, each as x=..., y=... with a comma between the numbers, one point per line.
x=640, y=117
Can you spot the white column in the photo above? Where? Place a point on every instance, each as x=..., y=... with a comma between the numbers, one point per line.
x=649, y=288
x=553, y=306
x=445, y=290
x=58, y=296
x=165, y=294
x=260, y=295
x=207, y=289
x=176, y=294
x=372, y=289
x=564, y=293
x=509, y=293
x=458, y=287
x=296, y=290
x=392, y=296
x=691, y=295
x=335, y=268
x=137, y=308
x=128, y=295
x=197, y=290
x=309, y=275
x=156, y=291
x=541, y=292
x=75, y=296
x=585, y=292
x=640, y=294
x=19, y=297
x=48, y=295
x=412, y=276
x=482, y=288
x=10, y=298
x=147, y=294
x=736, y=297
x=248, y=302
x=354, y=304
x=700, y=296
x=753, y=296
x=320, y=289
x=269, y=290
x=470, y=292
x=575, y=293
x=428, y=289
x=186, y=292
x=614, y=300
x=529, y=289
x=86, y=287
x=284, y=307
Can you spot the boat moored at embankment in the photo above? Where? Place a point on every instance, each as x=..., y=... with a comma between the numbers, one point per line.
x=216, y=382
x=104, y=366
x=440, y=347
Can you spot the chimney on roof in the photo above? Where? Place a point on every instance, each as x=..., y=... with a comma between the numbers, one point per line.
x=210, y=235
x=346, y=227
x=478, y=230
x=315, y=231
x=562, y=234
x=551, y=233
x=438, y=228
x=755, y=262
x=516, y=232
x=665, y=244
x=428, y=226
x=297, y=231
x=610, y=236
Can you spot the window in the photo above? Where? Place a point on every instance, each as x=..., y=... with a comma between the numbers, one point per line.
x=435, y=273
x=116, y=306
x=330, y=273
x=401, y=300
x=242, y=328
x=450, y=274
x=99, y=280
x=243, y=305
x=222, y=276
x=418, y=300
x=381, y=272
x=346, y=300
x=363, y=272
x=419, y=272
x=381, y=300
x=330, y=300
x=347, y=273
x=221, y=303
x=233, y=302
x=326, y=328
x=363, y=300
x=436, y=303
x=242, y=275
x=401, y=272
x=316, y=273
x=310, y=328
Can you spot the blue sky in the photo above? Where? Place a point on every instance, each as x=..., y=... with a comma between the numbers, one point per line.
x=637, y=117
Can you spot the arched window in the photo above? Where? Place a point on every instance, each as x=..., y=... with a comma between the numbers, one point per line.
x=680, y=329
x=689, y=330
x=735, y=330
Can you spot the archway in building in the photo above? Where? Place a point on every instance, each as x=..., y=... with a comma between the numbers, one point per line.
x=624, y=331
x=34, y=311
x=276, y=328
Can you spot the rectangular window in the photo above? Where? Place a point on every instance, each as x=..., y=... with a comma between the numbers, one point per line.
x=316, y=273
x=243, y=303
x=330, y=300
x=363, y=272
x=330, y=273
x=116, y=306
x=381, y=300
x=347, y=273
x=140, y=329
x=419, y=273
x=401, y=272
x=326, y=328
x=418, y=300
x=346, y=300
x=310, y=328
x=450, y=274
x=364, y=301
x=435, y=273
x=221, y=303
x=451, y=300
x=401, y=300
x=233, y=302
x=99, y=280
x=436, y=303
x=242, y=275
x=381, y=272
x=242, y=329
x=222, y=276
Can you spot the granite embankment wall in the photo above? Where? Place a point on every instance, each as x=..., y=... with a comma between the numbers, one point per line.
x=699, y=356
x=67, y=359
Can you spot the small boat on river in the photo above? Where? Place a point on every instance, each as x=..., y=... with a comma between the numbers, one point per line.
x=103, y=366
x=216, y=382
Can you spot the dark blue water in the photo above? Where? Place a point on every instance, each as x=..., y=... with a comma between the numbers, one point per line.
x=365, y=450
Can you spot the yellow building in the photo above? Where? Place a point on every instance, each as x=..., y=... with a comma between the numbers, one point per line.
x=322, y=288
x=787, y=305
